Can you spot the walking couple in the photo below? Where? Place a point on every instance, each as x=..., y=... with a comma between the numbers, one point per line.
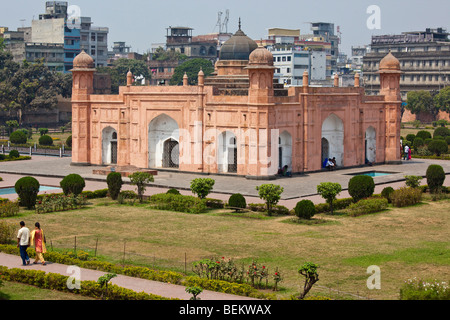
x=25, y=238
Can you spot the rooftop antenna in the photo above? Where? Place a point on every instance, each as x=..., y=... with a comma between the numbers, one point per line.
x=219, y=21
x=225, y=21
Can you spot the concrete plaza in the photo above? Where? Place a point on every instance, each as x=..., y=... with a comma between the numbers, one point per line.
x=50, y=170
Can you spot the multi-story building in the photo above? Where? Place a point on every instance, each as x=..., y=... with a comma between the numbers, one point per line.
x=424, y=57
x=326, y=30
x=94, y=40
x=294, y=55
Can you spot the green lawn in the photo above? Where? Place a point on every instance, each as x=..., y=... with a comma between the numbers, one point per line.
x=19, y=291
x=403, y=242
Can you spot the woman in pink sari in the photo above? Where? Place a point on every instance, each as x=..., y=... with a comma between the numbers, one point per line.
x=38, y=240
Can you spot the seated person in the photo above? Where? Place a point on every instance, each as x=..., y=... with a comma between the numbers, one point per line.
x=334, y=162
x=286, y=173
x=330, y=165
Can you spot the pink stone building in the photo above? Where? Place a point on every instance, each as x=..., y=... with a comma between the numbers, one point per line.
x=237, y=121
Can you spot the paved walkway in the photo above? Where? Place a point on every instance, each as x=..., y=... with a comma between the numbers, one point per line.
x=136, y=284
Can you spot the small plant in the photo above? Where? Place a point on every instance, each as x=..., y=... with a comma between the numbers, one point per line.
x=72, y=183
x=140, y=179
x=237, y=202
x=18, y=137
x=329, y=191
x=173, y=191
x=45, y=140
x=386, y=193
x=114, y=181
x=195, y=291
x=202, y=186
x=361, y=186
x=309, y=271
x=406, y=196
x=413, y=181
x=435, y=177
x=69, y=141
x=14, y=154
x=43, y=131
x=305, y=209
x=271, y=193
x=103, y=282
x=27, y=188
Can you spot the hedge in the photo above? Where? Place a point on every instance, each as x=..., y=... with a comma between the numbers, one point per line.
x=179, y=203
x=88, y=288
x=366, y=206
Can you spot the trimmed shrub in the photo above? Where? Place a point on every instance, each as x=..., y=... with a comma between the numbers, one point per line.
x=214, y=203
x=366, y=206
x=18, y=137
x=179, y=203
x=435, y=177
x=386, y=193
x=202, y=186
x=418, y=142
x=413, y=181
x=14, y=154
x=237, y=202
x=360, y=187
x=114, y=181
x=27, y=188
x=69, y=141
x=43, y=131
x=423, y=134
x=173, y=191
x=406, y=196
x=72, y=183
x=447, y=139
x=441, y=131
x=410, y=137
x=261, y=207
x=45, y=140
x=438, y=147
x=305, y=209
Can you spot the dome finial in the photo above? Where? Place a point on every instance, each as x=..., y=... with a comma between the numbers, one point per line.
x=239, y=23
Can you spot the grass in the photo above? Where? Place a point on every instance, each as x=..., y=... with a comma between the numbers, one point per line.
x=403, y=242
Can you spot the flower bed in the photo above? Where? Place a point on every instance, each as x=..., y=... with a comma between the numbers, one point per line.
x=57, y=202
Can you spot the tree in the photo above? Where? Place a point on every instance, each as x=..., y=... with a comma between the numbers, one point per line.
x=421, y=101
x=438, y=147
x=119, y=70
x=202, y=186
x=114, y=181
x=103, y=282
x=329, y=191
x=309, y=271
x=442, y=100
x=191, y=67
x=30, y=86
x=271, y=193
x=166, y=55
x=139, y=179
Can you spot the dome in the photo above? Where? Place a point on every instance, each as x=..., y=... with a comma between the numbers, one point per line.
x=390, y=63
x=238, y=47
x=261, y=56
x=83, y=61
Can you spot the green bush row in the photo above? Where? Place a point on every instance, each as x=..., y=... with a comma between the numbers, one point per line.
x=261, y=207
x=4, y=158
x=366, y=206
x=8, y=208
x=88, y=288
x=179, y=203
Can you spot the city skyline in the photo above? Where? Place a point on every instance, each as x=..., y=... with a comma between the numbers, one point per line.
x=142, y=23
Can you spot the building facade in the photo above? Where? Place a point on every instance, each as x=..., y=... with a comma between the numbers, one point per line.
x=236, y=121
x=424, y=58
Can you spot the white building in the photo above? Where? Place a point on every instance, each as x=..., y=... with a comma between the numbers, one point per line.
x=290, y=64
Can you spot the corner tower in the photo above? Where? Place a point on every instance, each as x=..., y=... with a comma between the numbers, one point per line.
x=82, y=87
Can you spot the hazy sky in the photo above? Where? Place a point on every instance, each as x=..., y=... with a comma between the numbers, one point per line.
x=143, y=22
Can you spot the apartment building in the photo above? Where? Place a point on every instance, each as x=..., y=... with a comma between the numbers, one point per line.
x=424, y=60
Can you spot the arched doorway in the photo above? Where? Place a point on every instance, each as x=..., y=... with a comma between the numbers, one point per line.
x=285, y=150
x=333, y=133
x=227, y=152
x=370, y=145
x=163, y=142
x=109, y=146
